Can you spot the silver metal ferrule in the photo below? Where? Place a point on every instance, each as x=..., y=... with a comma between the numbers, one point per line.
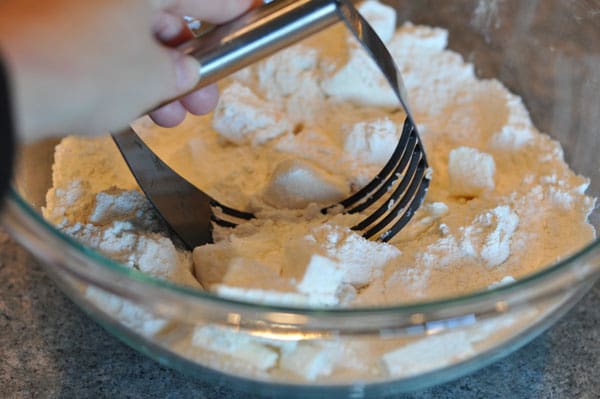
x=260, y=32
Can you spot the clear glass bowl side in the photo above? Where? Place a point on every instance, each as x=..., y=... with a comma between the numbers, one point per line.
x=489, y=339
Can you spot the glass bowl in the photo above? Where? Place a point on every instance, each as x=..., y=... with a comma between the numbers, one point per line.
x=546, y=52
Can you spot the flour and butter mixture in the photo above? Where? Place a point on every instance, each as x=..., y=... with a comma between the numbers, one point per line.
x=306, y=128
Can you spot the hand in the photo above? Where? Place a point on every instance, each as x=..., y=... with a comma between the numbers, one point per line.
x=95, y=65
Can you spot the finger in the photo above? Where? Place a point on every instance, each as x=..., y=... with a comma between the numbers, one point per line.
x=171, y=29
x=210, y=10
x=168, y=74
x=174, y=73
x=201, y=101
x=169, y=115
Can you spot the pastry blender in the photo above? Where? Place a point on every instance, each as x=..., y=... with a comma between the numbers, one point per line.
x=388, y=201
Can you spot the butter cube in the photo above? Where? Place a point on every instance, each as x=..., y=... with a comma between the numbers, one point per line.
x=471, y=172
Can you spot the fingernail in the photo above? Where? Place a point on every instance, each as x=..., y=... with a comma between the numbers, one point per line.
x=188, y=73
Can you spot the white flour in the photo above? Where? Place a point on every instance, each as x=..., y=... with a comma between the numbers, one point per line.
x=306, y=128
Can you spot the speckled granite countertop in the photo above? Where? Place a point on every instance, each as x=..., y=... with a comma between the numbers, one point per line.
x=50, y=349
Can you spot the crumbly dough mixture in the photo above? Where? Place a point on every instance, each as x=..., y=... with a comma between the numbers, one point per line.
x=303, y=129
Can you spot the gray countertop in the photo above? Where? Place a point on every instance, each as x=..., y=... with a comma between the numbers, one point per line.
x=50, y=349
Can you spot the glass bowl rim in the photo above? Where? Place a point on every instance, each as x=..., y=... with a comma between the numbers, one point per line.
x=121, y=271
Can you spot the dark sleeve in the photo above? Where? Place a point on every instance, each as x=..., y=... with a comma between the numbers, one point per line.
x=7, y=145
